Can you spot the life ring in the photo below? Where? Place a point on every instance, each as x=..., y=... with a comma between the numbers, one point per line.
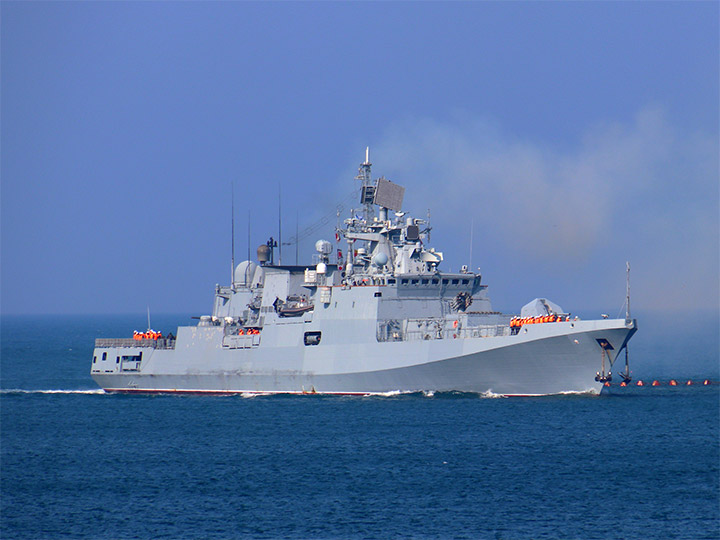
x=455, y=324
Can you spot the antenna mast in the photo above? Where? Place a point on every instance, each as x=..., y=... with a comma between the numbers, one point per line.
x=279, y=225
x=232, y=234
x=627, y=289
x=472, y=227
x=428, y=226
x=297, y=237
x=367, y=190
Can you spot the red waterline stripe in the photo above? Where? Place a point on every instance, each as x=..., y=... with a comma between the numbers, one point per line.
x=226, y=392
x=268, y=393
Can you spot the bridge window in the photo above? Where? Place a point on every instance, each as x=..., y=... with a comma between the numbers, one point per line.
x=104, y=356
x=465, y=281
x=455, y=281
x=425, y=281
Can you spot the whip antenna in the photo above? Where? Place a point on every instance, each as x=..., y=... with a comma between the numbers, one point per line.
x=279, y=224
x=627, y=290
x=232, y=234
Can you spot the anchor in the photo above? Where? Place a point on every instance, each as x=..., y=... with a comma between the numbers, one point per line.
x=600, y=375
x=626, y=375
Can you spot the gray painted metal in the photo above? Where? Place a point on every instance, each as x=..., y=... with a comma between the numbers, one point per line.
x=386, y=319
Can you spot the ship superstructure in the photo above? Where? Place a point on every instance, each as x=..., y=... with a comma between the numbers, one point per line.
x=382, y=318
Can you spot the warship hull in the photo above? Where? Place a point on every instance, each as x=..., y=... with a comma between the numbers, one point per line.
x=382, y=318
x=539, y=360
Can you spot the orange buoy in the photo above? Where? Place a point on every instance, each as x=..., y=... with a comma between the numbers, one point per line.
x=607, y=383
x=689, y=383
x=656, y=383
x=706, y=382
x=640, y=383
x=623, y=383
x=673, y=382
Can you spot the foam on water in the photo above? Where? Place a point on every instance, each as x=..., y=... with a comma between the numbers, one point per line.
x=588, y=392
x=391, y=393
x=489, y=394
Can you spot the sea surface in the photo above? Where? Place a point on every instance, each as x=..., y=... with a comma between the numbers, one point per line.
x=635, y=462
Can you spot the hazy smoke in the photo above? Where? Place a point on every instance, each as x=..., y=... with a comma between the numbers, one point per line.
x=640, y=180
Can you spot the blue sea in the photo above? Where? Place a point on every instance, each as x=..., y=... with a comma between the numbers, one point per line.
x=635, y=462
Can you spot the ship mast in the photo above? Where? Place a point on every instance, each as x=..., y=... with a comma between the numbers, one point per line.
x=627, y=291
x=232, y=235
x=626, y=376
x=367, y=189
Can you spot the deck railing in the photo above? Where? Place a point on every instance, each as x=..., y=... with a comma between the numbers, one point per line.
x=162, y=343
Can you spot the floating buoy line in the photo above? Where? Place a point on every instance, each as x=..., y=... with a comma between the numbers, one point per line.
x=671, y=382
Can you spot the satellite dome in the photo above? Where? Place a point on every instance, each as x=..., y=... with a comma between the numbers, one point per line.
x=244, y=273
x=380, y=259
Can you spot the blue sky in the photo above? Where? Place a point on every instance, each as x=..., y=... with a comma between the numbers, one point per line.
x=572, y=136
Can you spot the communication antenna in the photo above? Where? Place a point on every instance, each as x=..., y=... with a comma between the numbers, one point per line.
x=232, y=233
x=627, y=289
x=297, y=233
x=428, y=226
x=148, y=313
x=248, y=243
x=279, y=225
x=472, y=227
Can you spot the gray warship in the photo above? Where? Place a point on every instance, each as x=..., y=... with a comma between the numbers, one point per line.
x=383, y=318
